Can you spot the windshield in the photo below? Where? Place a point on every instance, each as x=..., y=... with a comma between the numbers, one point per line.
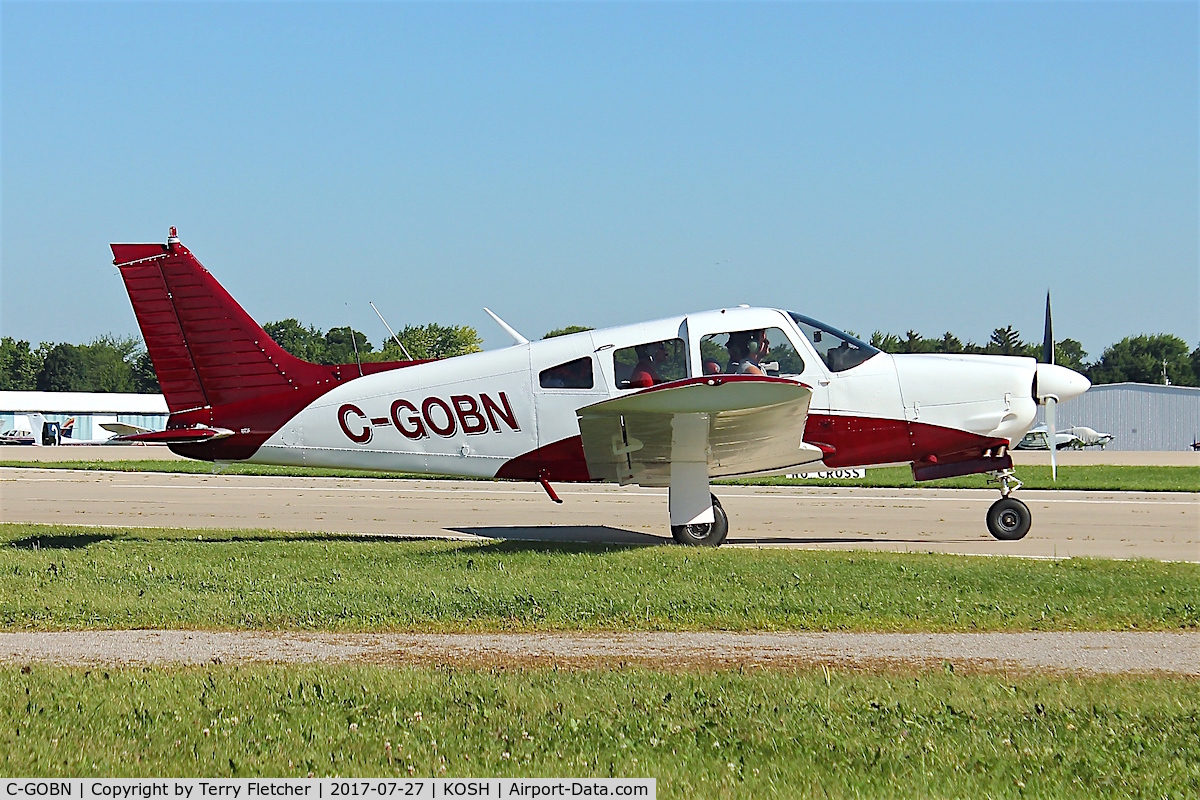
x=840, y=351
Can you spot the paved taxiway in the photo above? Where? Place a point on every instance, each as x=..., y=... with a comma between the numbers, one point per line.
x=1107, y=524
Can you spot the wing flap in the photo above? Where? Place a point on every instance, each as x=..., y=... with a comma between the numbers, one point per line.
x=733, y=424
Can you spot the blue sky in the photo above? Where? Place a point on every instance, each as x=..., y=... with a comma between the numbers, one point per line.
x=886, y=166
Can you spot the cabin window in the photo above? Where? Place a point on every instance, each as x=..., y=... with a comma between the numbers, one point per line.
x=575, y=374
x=840, y=351
x=762, y=351
x=650, y=364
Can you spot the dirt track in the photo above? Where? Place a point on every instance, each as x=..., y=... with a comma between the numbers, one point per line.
x=1094, y=653
x=1107, y=524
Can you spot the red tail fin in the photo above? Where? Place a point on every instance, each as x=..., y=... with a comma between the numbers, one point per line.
x=215, y=364
x=206, y=349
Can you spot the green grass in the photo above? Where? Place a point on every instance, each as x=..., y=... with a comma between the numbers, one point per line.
x=191, y=467
x=775, y=733
x=1102, y=477
x=54, y=577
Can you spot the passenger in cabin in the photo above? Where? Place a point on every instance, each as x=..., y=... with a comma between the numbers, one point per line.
x=712, y=367
x=645, y=372
x=736, y=345
x=579, y=374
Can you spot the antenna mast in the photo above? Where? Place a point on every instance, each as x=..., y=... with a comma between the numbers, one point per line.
x=354, y=341
x=403, y=349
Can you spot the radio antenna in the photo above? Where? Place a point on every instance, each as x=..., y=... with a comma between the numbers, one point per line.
x=403, y=349
x=354, y=341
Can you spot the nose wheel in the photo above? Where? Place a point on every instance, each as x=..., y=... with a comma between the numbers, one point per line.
x=1008, y=519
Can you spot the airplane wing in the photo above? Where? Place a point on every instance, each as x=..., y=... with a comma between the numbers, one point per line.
x=731, y=424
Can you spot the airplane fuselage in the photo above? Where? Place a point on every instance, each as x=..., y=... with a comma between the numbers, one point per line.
x=488, y=414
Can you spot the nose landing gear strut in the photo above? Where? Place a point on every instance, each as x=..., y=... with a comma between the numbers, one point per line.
x=1008, y=519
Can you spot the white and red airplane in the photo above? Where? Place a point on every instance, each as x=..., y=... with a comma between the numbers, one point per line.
x=673, y=402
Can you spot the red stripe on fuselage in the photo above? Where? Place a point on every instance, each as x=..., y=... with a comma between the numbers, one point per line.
x=855, y=442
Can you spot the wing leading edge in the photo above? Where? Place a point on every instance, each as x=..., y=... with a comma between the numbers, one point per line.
x=724, y=425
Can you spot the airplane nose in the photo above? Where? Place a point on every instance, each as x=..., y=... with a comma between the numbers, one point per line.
x=1058, y=382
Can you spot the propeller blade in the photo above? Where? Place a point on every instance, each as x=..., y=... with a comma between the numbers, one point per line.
x=1048, y=336
x=1051, y=430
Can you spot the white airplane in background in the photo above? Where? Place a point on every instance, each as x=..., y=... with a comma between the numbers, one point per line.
x=1038, y=438
x=672, y=402
x=1076, y=438
x=1090, y=437
x=63, y=435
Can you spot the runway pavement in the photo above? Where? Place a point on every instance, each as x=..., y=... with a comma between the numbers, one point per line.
x=1065, y=524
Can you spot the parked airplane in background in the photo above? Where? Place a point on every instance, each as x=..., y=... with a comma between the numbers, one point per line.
x=30, y=429
x=1038, y=438
x=673, y=402
x=34, y=429
x=1090, y=437
x=1076, y=438
x=19, y=436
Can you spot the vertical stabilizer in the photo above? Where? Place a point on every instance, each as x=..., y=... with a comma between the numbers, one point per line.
x=205, y=348
x=217, y=367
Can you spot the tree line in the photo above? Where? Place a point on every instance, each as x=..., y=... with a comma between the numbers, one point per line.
x=1141, y=359
x=107, y=364
x=120, y=364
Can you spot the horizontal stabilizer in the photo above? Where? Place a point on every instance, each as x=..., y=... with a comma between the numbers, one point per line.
x=123, y=429
x=736, y=424
x=176, y=436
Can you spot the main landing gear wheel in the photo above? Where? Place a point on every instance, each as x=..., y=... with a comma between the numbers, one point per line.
x=1009, y=519
x=708, y=534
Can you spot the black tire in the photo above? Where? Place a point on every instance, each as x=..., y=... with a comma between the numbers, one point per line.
x=709, y=534
x=1009, y=519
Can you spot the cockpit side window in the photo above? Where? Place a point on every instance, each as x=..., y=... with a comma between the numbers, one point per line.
x=763, y=351
x=649, y=364
x=840, y=351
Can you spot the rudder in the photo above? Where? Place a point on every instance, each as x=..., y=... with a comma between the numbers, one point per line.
x=206, y=350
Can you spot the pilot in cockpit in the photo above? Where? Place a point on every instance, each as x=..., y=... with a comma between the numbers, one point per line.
x=746, y=348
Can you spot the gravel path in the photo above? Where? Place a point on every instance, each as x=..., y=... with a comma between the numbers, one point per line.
x=1093, y=653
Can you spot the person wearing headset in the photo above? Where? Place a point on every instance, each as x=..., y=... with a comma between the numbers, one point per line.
x=746, y=349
